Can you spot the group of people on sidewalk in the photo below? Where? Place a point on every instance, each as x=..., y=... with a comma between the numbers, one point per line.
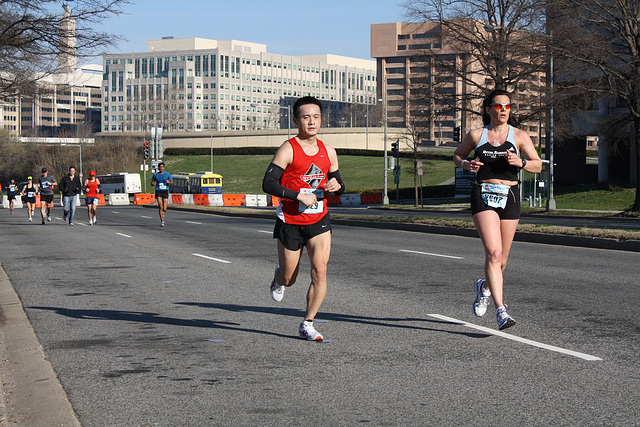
x=304, y=169
x=70, y=189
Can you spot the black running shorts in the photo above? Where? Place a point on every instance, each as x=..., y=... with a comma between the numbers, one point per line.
x=47, y=198
x=510, y=211
x=294, y=237
x=162, y=193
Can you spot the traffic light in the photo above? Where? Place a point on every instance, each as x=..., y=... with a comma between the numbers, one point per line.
x=395, y=151
x=456, y=134
x=146, y=150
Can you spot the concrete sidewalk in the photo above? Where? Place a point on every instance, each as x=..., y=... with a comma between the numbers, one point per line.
x=31, y=394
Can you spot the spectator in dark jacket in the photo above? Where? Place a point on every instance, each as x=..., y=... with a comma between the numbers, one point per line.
x=70, y=187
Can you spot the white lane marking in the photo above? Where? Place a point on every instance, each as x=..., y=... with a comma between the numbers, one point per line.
x=265, y=231
x=193, y=222
x=148, y=217
x=123, y=235
x=212, y=259
x=515, y=338
x=430, y=254
x=82, y=224
x=115, y=212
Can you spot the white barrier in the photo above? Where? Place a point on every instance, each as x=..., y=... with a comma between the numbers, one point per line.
x=350, y=199
x=187, y=199
x=16, y=204
x=215, y=200
x=119, y=199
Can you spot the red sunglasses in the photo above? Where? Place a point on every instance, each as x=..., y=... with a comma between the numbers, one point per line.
x=497, y=106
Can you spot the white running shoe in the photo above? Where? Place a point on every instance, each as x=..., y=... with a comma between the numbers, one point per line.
x=95, y=220
x=49, y=218
x=482, y=298
x=504, y=320
x=277, y=291
x=307, y=331
x=30, y=220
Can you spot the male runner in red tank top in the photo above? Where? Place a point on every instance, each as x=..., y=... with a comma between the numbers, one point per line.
x=302, y=170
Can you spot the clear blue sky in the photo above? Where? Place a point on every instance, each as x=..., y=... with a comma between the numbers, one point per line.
x=286, y=27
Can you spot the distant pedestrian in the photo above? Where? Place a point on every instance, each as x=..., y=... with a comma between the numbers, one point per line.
x=12, y=189
x=302, y=170
x=162, y=179
x=495, y=198
x=46, y=183
x=30, y=190
x=92, y=186
x=70, y=189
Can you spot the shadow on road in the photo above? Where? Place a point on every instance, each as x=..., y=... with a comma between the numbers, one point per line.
x=148, y=317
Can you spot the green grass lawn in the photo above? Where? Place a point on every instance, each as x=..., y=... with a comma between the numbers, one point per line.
x=242, y=174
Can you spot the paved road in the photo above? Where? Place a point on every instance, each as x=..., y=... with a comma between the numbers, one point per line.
x=174, y=326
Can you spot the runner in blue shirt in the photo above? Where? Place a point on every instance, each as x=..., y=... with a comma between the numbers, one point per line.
x=162, y=179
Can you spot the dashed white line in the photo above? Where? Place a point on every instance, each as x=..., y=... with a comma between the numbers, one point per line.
x=193, y=222
x=265, y=231
x=148, y=217
x=515, y=338
x=430, y=254
x=115, y=212
x=212, y=259
x=123, y=235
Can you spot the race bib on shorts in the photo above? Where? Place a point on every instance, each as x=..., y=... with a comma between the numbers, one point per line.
x=318, y=207
x=95, y=201
x=495, y=195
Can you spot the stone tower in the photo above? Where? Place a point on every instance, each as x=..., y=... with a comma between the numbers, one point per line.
x=67, y=61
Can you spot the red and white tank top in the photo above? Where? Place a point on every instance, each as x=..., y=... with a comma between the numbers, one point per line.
x=305, y=174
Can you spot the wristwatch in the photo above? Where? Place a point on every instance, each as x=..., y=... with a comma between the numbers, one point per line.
x=524, y=163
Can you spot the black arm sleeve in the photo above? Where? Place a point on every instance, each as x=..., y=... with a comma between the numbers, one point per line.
x=338, y=178
x=271, y=183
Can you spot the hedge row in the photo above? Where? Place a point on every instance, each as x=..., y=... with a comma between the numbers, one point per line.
x=202, y=151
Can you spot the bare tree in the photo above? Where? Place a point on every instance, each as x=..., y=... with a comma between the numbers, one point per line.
x=500, y=40
x=34, y=33
x=411, y=138
x=599, y=40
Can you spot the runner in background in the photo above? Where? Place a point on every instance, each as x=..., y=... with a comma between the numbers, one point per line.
x=46, y=183
x=12, y=189
x=92, y=187
x=162, y=179
x=30, y=190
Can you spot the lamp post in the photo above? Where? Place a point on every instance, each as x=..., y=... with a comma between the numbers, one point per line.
x=385, y=197
x=286, y=107
x=367, y=129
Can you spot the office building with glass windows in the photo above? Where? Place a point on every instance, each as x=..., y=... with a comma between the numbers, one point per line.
x=196, y=84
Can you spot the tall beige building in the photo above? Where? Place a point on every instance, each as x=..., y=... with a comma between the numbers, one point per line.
x=197, y=84
x=415, y=65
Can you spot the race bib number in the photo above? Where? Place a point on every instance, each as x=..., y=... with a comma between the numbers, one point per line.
x=318, y=207
x=495, y=195
x=95, y=201
x=46, y=184
x=31, y=194
x=162, y=186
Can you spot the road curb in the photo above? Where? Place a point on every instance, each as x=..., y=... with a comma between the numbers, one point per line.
x=521, y=236
x=31, y=393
